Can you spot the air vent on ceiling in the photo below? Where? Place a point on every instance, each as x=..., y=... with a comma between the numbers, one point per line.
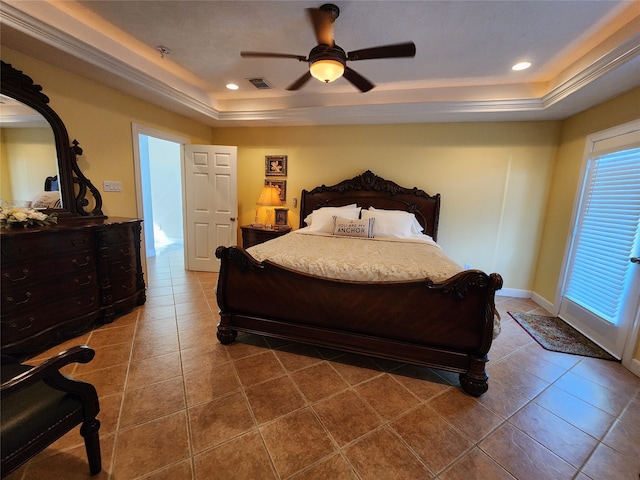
x=259, y=83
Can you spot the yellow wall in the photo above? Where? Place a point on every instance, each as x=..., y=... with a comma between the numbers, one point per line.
x=493, y=178
x=564, y=184
x=100, y=119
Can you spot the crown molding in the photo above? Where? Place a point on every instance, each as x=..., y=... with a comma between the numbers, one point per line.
x=175, y=94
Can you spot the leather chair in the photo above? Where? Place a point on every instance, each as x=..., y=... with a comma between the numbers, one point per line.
x=40, y=404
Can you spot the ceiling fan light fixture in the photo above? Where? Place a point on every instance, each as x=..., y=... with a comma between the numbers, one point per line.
x=327, y=70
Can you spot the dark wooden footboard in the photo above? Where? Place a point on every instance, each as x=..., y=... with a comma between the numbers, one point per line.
x=447, y=325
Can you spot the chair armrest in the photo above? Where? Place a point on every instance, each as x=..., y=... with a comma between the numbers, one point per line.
x=49, y=372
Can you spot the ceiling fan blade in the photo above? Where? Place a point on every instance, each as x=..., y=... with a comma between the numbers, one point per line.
x=273, y=55
x=358, y=80
x=407, y=49
x=322, y=22
x=300, y=82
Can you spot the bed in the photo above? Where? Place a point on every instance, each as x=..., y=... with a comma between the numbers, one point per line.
x=446, y=324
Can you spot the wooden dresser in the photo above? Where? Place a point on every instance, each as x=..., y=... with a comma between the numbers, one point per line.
x=58, y=280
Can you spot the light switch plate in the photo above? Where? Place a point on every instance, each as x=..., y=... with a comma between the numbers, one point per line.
x=112, y=186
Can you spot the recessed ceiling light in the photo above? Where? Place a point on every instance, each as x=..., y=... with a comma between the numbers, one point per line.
x=521, y=66
x=232, y=86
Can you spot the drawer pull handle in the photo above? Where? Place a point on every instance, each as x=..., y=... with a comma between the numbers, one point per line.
x=126, y=253
x=20, y=302
x=77, y=264
x=125, y=268
x=26, y=327
x=78, y=243
x=25, y=274
x=83, y=283
x=87, y=304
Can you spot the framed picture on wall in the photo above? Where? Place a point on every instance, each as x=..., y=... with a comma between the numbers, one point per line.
x=281, y=185
x=275, y=165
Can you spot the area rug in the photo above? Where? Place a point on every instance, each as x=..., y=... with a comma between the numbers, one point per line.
x=555, y=335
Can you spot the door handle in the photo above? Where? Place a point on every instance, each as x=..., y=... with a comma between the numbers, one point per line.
x=233, y=219
x=634, y=259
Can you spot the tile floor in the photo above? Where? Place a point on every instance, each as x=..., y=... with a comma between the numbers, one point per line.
x=176, y=405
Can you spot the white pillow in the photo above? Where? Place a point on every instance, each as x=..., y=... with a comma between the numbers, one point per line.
x=344, y=227
x=393, y=223
x=321, y=220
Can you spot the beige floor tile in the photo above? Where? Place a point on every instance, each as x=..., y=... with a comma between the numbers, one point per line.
x=607, y=463
x=346, y=416
x=465, y=413
x=610, y=401
x=274, y=398
x=381, y=454
x=152, y=401
x=569, y=442
x=335, y=468
x=240, y=459
x=523, y=457
x=152, y=370
x=297, y=356
x=436, y=442
x=387, y=396
x=319, y=381
x=476, y=465
x=579, y=413
x=156, y=444
x=213, y=382
x=258, y=368
x=218, y=421
x=296, y=441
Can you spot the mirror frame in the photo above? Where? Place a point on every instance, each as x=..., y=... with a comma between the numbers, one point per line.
x=15, y=84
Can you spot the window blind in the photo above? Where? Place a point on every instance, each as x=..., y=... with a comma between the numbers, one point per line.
x=608, y=226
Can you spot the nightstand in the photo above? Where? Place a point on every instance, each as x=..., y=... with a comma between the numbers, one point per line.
x=254, y=235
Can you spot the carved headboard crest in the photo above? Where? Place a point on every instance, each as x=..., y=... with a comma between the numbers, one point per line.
x=370, y=190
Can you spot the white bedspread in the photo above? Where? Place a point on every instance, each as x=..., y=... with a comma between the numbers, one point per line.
x=358, y=259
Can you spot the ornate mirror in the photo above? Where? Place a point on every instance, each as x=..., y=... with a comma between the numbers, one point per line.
x=39, y=153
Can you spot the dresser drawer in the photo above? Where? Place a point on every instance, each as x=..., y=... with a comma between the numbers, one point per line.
x=15, y=248
x=122, y=252
x=49, y=268
x=18, y=296
x=31, y=321
x=119, y=234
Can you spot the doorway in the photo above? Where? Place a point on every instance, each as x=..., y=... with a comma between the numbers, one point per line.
x=158, y=176
x=163, y=197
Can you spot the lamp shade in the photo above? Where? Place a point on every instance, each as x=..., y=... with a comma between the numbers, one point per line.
x=326, y=70
x=269, y=197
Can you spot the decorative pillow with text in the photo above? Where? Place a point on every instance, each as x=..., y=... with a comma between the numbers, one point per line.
x=346, y=227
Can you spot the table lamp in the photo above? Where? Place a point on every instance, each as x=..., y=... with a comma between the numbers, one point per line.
x=269, y=197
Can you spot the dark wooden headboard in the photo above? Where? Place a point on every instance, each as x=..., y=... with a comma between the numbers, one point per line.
x=369, y=190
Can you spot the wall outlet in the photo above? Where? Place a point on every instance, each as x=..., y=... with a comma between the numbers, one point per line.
x=111, y=186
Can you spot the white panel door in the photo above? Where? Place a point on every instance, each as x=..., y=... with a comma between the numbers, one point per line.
x=211, y=203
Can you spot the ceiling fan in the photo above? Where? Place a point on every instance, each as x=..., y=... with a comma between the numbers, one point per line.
x=327, y=61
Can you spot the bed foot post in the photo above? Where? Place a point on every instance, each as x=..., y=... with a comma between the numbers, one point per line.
x=226, y=335
x=475, y=380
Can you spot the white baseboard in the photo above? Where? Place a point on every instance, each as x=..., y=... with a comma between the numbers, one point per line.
x=544, y=303
x=513, y=292
x=634, y=367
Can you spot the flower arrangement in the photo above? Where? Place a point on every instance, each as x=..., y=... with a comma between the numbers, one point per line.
x=24, y=217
